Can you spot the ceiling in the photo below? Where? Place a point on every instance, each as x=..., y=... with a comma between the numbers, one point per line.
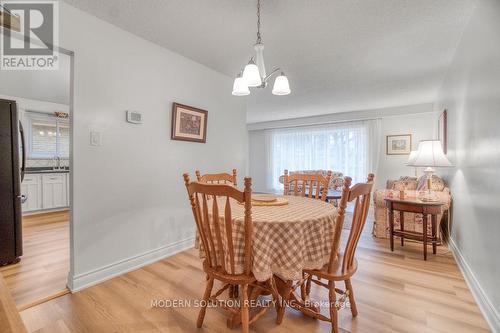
x=339, y=55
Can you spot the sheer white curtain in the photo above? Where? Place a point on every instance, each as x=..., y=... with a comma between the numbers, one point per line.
x=349, y=147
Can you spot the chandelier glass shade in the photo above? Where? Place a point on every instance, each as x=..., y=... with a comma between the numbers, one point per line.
x=240, y=87
x=254, y=74
x=281, y=86
x=251, y=74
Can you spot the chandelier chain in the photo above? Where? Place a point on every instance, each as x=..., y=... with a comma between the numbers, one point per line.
x=259, y=38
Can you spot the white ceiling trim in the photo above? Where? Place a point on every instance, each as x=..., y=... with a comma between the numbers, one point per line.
x=343, y=117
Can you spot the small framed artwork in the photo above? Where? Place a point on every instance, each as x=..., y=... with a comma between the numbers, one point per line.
x=189, y=123
x=399, y=144
x=443, y=130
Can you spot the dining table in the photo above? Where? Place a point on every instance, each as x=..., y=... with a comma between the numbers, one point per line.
x=287, y=238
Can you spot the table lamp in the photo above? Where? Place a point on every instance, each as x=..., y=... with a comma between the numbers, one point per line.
x=411, y=159
x=430, y=155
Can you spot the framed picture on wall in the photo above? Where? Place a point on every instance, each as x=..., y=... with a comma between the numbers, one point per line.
x=443, y=130
x=189, y=123
x=398, y=144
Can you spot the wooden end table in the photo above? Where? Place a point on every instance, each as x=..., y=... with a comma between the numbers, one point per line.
x=414, y=205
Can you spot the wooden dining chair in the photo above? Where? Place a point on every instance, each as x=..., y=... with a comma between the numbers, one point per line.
x=217, y=178
x=341, y=266
x=307, y=185
x=216, y=233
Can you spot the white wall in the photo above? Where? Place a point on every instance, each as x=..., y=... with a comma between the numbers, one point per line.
x=471, y=93
x=129, y=202
x=420, y=126
x=417, y=120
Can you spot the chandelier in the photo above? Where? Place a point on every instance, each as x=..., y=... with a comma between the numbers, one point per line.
x=254, y=74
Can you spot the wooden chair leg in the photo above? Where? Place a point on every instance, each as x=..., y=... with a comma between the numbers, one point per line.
x=308, y=285
x=244, y=309
x=333, y=307
x=354, y=309
x=303, y=289
x=276, y=298
x=233, y=291
x=285, y=291
x=206, y=297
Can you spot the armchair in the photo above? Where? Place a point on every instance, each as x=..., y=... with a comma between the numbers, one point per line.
x=412, y=186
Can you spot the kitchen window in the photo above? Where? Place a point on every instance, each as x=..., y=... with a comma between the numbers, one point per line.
x=47, y=135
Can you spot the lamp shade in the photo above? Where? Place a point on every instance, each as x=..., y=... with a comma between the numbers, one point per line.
x=240, y=87
x=430, y=154
x=412, y=157
x=251, y=74
x=281, y=85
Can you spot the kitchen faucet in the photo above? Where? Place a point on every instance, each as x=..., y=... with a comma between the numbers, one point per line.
x=57, y=163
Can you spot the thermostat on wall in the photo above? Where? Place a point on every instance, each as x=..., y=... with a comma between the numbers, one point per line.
x=134, y=117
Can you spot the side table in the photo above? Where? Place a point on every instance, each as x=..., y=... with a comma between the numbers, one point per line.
x=414, y=205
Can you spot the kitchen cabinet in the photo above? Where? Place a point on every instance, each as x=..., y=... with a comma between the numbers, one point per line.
x=54, y=191
x=31, y=188
x=45, y=191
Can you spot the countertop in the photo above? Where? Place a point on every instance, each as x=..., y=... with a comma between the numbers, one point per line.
x=45, y=170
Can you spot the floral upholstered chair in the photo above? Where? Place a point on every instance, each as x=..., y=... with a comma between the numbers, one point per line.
x=412, y=186
x=336, y=181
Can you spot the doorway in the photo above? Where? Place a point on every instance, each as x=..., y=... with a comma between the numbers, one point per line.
x=44, y=104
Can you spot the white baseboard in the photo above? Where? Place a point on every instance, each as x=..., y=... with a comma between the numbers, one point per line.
x=36, y=212
x=485, y=305
x=85, y=280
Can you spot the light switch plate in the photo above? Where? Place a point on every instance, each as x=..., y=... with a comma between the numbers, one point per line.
x=95, y=138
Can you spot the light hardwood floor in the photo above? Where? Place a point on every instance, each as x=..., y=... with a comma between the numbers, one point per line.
x=395, y=292
x=43, y=270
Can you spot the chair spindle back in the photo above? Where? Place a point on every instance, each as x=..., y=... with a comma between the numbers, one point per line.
x=216, y=234
x=313, y=186
x=217, y=178
x=360, y=193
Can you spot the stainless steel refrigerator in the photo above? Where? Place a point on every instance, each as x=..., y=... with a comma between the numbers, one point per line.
x=12, y=163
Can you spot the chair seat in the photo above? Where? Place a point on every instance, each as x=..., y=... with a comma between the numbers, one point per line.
x=337, y=274
x=219, y=274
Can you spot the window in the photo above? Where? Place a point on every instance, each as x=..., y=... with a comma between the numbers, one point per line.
x=346, y=147
x=47, y=135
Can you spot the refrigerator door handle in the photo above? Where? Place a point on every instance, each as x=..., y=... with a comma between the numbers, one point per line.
x=23, y=198
x=23, y=143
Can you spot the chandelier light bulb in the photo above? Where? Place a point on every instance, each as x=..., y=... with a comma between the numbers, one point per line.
x=281, y=86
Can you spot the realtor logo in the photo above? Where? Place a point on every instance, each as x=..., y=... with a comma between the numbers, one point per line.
x=32, y=48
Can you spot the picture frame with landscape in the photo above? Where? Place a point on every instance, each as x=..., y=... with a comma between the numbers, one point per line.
x=189, y=123
x=398, y=144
